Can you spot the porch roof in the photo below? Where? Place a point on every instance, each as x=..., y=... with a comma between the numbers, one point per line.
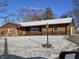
x=49, y=22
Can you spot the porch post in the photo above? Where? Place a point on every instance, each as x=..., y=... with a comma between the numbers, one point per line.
x=26, y=30
x=18, y=31
x=21, y=30
x=52, y=30
x=65, y=30
x=41, y=30
x=55, y=28
x=69, y=29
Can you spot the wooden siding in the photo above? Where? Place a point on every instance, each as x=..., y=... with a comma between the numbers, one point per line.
x=14, y=30
x=61, y=29
x=4, y=32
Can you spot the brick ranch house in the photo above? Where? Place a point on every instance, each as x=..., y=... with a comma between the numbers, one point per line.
x=61, y=26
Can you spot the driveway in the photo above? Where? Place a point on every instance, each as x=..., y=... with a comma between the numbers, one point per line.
x=75, y=39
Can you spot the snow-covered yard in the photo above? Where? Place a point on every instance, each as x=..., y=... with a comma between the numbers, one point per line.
x=30, y=46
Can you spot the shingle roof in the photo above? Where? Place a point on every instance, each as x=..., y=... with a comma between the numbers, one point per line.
x=17, y=25
x=50, y=22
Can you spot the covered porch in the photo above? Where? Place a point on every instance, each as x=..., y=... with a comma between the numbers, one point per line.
x=53, y=29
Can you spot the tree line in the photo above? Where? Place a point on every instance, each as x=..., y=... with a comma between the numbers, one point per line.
x=27, y=14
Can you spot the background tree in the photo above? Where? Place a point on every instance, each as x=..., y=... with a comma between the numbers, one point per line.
x=3, y=9
x=28, y=14
x=23, y=14
x=76, y=10
x=76, y=13
x=67, y=14
x=48, y=13
x=37, y=15
x=63, y=16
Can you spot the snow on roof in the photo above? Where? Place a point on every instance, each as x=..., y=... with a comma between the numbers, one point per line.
x=50, y=22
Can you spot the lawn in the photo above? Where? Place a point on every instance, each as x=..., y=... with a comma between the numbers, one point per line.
x=31, y=46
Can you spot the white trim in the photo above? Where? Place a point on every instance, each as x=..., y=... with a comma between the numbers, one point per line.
x=71, y=30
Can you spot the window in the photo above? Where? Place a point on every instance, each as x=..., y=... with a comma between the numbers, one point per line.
x=35, y=29
x=10, y=30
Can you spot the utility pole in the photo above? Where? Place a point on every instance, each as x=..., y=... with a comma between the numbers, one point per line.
x=6, y=18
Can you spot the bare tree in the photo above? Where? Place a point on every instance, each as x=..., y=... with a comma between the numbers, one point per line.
x=27, y=14
x=6, y=18
x=36, y=15
x=22, y=13
x=67, y=14
x=76, y=9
